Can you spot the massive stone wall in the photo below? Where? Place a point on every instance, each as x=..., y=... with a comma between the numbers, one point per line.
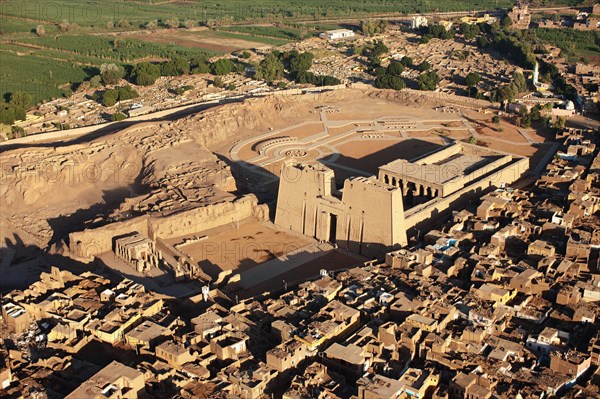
x=369, y=215
x=207, y=217
x=440, y=155
x=423, y=216
x=373, y=221
x=84, y=245
x=299, y=186
x=367, y=218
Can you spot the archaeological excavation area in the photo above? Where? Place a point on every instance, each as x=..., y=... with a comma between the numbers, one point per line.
x=245, y=196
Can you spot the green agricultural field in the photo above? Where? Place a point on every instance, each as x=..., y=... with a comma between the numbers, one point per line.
x=259, y=39
x=266, y=31
x=10, y=25
x=574, y=43
x=318, y=27
x=111, y=48
x=42, y=78
x=98, y=13
x=47, y=66
x=59, y=55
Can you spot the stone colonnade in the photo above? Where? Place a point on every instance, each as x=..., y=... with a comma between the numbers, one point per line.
x=411, y=188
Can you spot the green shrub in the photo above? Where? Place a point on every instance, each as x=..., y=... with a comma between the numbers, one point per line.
x=222, y=67
x=118, y=116
x=428, y=80
x=387, y=81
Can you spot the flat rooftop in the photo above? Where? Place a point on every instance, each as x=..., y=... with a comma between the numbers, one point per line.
x=440, y=172
x=106, y=382
x=147, y=331
x=446, y=169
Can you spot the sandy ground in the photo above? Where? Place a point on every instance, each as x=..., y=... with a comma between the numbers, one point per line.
x=334, y=131
x=240, y=247
x=506, y=134
x=376, y=108
x=203, y=39
x=304, y=131
x=331, y=262
x=346, y=151
x=352, y=150
x=368, y=156
x=249, y=150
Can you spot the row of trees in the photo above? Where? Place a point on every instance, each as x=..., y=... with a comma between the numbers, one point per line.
x=538, y=113
x=146, y=73
x=518, y=46
x=390, y=77
x=270, y=69
x=469, y=31
x=435, y=31
x=66, y=26
x=317, y=80
x=171, y=23
x=509, y=92
x=428, y=80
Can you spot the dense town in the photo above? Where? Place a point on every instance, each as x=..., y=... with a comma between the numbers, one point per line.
x=435, y=243
x=500, y=302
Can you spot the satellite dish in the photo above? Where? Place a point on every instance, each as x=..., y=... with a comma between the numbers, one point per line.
x=323, y=273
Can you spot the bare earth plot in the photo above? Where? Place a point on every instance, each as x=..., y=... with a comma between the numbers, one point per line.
x=201, y=39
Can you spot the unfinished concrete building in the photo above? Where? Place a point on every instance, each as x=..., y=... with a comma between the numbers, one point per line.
x=371, y=215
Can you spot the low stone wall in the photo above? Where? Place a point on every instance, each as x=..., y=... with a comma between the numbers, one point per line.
x=264, y=145
x=306, y=90
x=439, y=155
x=464, y=181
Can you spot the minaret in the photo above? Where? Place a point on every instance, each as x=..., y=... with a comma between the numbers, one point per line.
x=536, y=74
